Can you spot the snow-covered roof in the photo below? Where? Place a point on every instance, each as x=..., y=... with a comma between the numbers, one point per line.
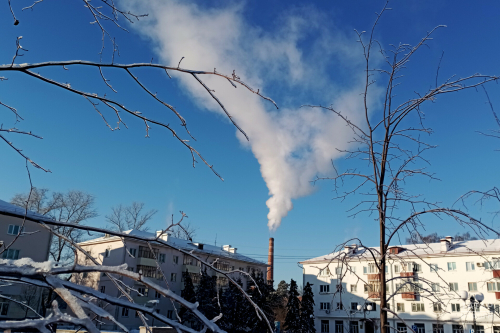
x=458, y=248
x=10, y=209
x=182, y=244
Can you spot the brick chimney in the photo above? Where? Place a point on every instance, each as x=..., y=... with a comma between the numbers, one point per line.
x=270, y=261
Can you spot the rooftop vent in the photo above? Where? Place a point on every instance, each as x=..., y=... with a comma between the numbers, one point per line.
x=164, y=234
x=226, y=247
x=445, y=243
x=199, y=246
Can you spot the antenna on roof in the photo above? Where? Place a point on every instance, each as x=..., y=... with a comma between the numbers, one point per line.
x=216, y=239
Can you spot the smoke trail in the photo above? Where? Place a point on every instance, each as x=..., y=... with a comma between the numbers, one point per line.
x=291, y=145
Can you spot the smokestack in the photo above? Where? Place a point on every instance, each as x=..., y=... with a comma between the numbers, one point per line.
x=270, y=261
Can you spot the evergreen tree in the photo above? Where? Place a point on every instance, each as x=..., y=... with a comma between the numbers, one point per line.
x=206, y=295
x=279, y=300
x=189, y=295
x=264, y=300
x=234, y=310
x=292, y=319
x=307, y=310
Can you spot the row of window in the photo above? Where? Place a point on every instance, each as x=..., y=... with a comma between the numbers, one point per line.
x=411, y=267
x=415, y=307
x=125, y=312
x=400, y=328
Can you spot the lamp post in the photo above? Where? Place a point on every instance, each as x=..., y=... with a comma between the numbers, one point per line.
x=473, y=299
x=365, y=308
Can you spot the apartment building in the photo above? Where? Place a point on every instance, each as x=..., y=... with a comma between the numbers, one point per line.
x=33, y=242
x=138, y=256
x=427, y=283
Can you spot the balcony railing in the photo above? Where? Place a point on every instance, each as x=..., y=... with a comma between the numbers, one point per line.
x=408, y=295
x=144, y=252
x=374, y=277
x=496, y=273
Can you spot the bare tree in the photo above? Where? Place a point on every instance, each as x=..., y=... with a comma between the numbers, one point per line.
x=389, y=143
x=124, y=218
x=185, y=231
x=72, y=207
x=82, y=300
x=30, y=296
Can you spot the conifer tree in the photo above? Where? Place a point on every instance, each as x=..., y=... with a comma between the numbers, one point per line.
x=234, y=310
x=262, y=296
x=307, y=310
x=189, y=295
x=206, y=295
x=292, y=319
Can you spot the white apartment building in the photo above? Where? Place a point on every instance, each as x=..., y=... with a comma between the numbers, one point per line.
x=426, y=281
x=113, y=251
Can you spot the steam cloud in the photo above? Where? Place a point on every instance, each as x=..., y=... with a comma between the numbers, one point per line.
x=292, y=145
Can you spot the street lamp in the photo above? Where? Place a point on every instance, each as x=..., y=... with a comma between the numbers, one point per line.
x=365, y=308
x=473, y=299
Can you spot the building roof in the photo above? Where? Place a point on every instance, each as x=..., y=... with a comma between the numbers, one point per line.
x=13, y=210
x=181, y=244
x=458, y=248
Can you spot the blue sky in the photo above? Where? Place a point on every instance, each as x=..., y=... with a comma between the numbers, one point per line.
x=296, y=54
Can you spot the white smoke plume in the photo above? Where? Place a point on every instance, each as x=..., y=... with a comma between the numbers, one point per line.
x=293, y=145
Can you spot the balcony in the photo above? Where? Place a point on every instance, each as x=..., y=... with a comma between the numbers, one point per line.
x=497, y=295
x=374, y=277
x=409, y=296
x=374, y=295
x=496, y=273
x=407, y=274
x=191, y=268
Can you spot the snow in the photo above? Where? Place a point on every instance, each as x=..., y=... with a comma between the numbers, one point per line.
x=412, y=250
x=9, y=208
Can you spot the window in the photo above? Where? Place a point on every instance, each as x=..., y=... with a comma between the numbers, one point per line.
x=325, y=326
x=374, y=306
x=339, y=326
x=353, y=327
x=173, y=277
x=170, y=314
x=124, y=312
x=176, y=260
x=396, y=270
x=457, y=328
x=455, y=307
x=476, y=307
x=338, y=270
x=157, y=294
x=142, y=291
x=148, y=271
x=496, y=329
x=472, y=286
x=370, y=269
x=13, y=229
x=493, y=286
x=417, y=307
x=354, y=288
x=433, y=267
x=193, y=262
x=469, y=266
x=400, y=307
x=339, y=288
x=452, y=266
x=401, y=328
x=161, y=257
x=353, y=269
x=10, y=254
x=437, y=308
x=324, y=306
x=479, y=329
x=386, y=269
x=106, y=253
x=435, y=287
x=4, y=308
x=325, y=272
x=324, y=288
x=453, y=286
x=132, y=252
x=420, y=328
x=437, y=328
x=354, y=306
x=340, y=306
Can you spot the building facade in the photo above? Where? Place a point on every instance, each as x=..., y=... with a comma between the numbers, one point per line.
x=33, y=242
x=425, y=284
x=113, y=251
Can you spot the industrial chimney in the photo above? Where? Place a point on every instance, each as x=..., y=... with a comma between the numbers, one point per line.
x=270, y=261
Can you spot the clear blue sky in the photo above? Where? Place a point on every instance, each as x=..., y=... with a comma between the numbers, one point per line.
x=295, y=53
